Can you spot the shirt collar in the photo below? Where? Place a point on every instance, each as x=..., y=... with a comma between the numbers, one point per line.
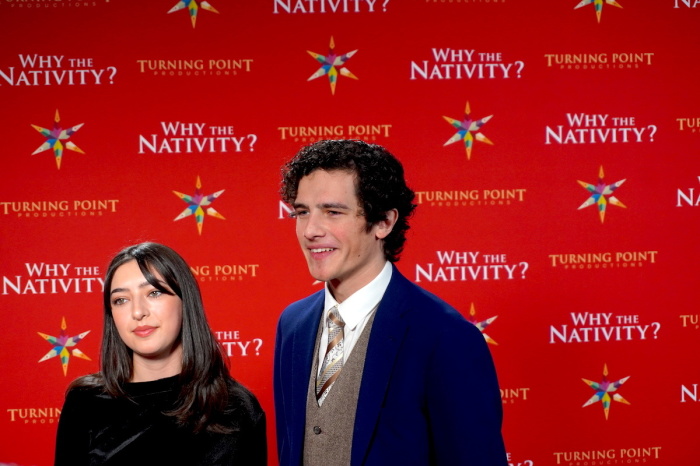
x=355, y=308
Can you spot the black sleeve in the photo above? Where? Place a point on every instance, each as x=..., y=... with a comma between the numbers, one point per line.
x=72, y=439
x=252, y=444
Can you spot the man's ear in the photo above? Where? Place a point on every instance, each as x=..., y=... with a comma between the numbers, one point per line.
x=383, y=227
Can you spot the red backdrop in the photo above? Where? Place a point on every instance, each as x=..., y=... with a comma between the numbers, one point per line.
x=572, y=108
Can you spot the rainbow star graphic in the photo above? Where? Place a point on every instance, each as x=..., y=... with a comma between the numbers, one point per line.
x=196, y=203
x=61, y=345
x=601, y=194
x=331, y=65
x=55, y=136
x=191, y=5
x=481, y=325
x=598, y=6
x=468, y=130
x=603, y=391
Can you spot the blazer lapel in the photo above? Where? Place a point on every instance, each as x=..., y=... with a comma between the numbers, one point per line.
x=385, y=340
x=302, y=356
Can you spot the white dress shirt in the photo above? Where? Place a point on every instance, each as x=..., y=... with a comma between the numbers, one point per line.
x=355, y=311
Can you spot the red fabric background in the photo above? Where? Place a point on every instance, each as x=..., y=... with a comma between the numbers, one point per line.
x=649, y=294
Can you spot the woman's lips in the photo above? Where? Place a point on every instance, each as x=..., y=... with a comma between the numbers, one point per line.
x=144, y=331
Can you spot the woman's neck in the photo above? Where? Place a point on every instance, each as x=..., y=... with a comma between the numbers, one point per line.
x=146, y=370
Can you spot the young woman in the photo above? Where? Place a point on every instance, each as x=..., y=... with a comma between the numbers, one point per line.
x=163, y=395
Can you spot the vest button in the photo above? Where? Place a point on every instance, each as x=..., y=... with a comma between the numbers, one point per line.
x=317, y=430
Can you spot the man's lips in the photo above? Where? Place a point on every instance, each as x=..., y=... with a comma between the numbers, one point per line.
x=320, y=250
x=320, y=253
x=144, y=330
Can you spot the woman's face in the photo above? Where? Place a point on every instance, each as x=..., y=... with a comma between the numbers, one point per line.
x=148, y=320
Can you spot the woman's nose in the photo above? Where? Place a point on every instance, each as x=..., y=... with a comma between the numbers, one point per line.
x=140, y=309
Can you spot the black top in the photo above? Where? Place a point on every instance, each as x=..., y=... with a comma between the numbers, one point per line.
x=98, y=429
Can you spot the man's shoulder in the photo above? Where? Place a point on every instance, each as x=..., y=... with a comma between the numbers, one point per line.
x=298, y=310
x=422, y=304
x=412, y=293
x=309, y=301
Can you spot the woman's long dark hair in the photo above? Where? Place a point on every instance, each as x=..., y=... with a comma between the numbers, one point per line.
x=203, y=380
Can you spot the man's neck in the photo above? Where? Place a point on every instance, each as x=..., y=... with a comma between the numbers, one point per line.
x=342, y=290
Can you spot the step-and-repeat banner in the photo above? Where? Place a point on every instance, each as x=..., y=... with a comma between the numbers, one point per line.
x=554, y=147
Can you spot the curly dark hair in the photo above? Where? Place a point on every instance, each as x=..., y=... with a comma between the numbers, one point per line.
x=380, y=182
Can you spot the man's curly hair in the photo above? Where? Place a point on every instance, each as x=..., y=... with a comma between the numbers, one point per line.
x=380, y=183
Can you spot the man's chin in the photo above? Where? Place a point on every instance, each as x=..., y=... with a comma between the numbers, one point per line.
x=317, y=270
x=319, y=278
x=318, y=275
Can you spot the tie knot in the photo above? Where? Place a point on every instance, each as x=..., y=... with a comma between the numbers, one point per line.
x=334, y=318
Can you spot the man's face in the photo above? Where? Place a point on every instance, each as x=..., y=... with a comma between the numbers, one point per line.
x=332, y=232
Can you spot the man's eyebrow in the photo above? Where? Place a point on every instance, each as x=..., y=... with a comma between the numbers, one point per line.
x=333, y=205
x=324, y=205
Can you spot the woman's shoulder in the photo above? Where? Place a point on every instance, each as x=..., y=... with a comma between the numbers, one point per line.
x=242, y=402
x=86, y=385
x=88, y=389
x=84, y=398
x=241, y=395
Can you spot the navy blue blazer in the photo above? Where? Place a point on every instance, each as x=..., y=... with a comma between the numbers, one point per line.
x=429, y=393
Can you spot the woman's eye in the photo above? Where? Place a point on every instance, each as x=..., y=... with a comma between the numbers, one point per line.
x=155, y=293
x=118, y=301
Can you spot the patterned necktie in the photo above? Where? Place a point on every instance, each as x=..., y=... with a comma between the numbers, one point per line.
x=333, y=361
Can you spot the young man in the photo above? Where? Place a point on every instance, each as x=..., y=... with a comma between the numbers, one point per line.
x=374, y=370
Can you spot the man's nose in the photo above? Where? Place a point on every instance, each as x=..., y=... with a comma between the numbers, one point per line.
x=313, y=226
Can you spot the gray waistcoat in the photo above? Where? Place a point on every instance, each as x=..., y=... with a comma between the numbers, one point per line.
x=329, y=428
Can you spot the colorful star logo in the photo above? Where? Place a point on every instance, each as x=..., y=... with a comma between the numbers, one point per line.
x=191, y=5
x=482, y=325
x=603, y=390
x=196, y=203
x=332, y=65
x=468, y=130
x=61, y=345
x=55, y=136
x=598, y=6
x=601, y=194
